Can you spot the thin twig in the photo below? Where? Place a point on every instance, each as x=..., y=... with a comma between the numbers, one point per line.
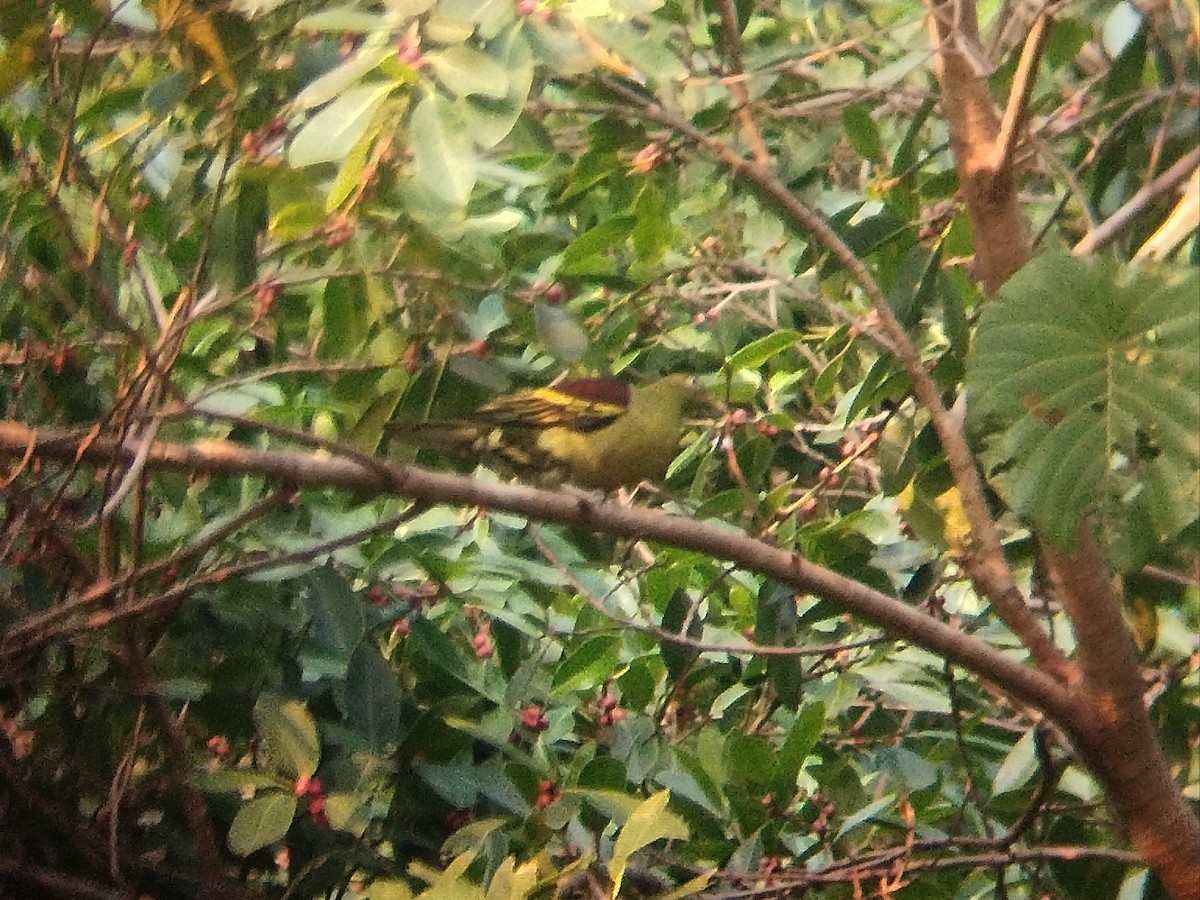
x=1018, y=100
x=716, y=540
x=735, y=81
x=1111, y=228
x=985, y=563
x=680, y=637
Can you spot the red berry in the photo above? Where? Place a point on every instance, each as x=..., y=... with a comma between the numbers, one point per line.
x=534, y=719
x=316, y=809
x=218, y=745
x=548, y=792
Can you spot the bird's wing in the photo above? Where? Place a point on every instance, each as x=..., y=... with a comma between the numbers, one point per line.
x=583, y=405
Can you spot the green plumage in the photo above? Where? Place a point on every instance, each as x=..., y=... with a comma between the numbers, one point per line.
x=593, y=433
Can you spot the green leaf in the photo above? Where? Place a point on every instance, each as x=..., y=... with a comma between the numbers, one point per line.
x=342, y=79
x=678, y=657
x=296, y=220
x=615, y=806
x=775, y=626
x=596, y=242
x=891, y=681
x=261, y=822
x=435, y=647
x=915, y=284
x=868, y=812
x=471, y=837
x=591, y=169
x=289, y=734
x=587, y=666
x=1084, y=380
x=862, y=131
x=826, y=382
x=648, y=823
x=750, y=761
x=801, y=740
x=465, y=71
x=652, y=234
x=758, y=352
x=487, y=16
x=373, y=697
x=1018, y=766
x=444, y=160
x=350, y=172
x=334, y=131
x=1126, y=40
x=345, y=317
x=336, y=612
x=491, y=121
x=1135, y=886
x=455, y=782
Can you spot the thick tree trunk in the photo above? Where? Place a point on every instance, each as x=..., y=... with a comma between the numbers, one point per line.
x=1108, y=722
x=1111, y=728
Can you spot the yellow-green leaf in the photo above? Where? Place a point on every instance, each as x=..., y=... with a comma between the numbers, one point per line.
x=646, y=824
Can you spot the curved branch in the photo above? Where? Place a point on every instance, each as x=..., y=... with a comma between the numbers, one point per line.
x=888, y=865
x=985, y=562
x=713, y=539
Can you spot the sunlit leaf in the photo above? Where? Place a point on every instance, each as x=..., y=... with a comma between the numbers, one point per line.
x=648, y=823
x=466, y=71
x=289, y=734
x=587, y=666
x=335, y=130
x=443, y=155
x=261, y=822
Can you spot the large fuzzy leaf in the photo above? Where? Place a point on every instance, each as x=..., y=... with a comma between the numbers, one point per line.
x=1084, y=380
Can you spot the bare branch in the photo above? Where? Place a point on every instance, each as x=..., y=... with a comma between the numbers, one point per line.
x=713, y=539
x=985, y=563
x=1110, y=228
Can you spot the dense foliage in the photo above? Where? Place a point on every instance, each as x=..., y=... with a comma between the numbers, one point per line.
x=283, y=223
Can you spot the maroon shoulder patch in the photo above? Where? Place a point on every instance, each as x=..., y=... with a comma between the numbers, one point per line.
x=595, y=390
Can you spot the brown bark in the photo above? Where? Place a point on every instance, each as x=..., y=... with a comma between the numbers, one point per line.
x=985, y=564
x=985, y=170
x=18, y=441
x=1110, y=726
x=1107, y=720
